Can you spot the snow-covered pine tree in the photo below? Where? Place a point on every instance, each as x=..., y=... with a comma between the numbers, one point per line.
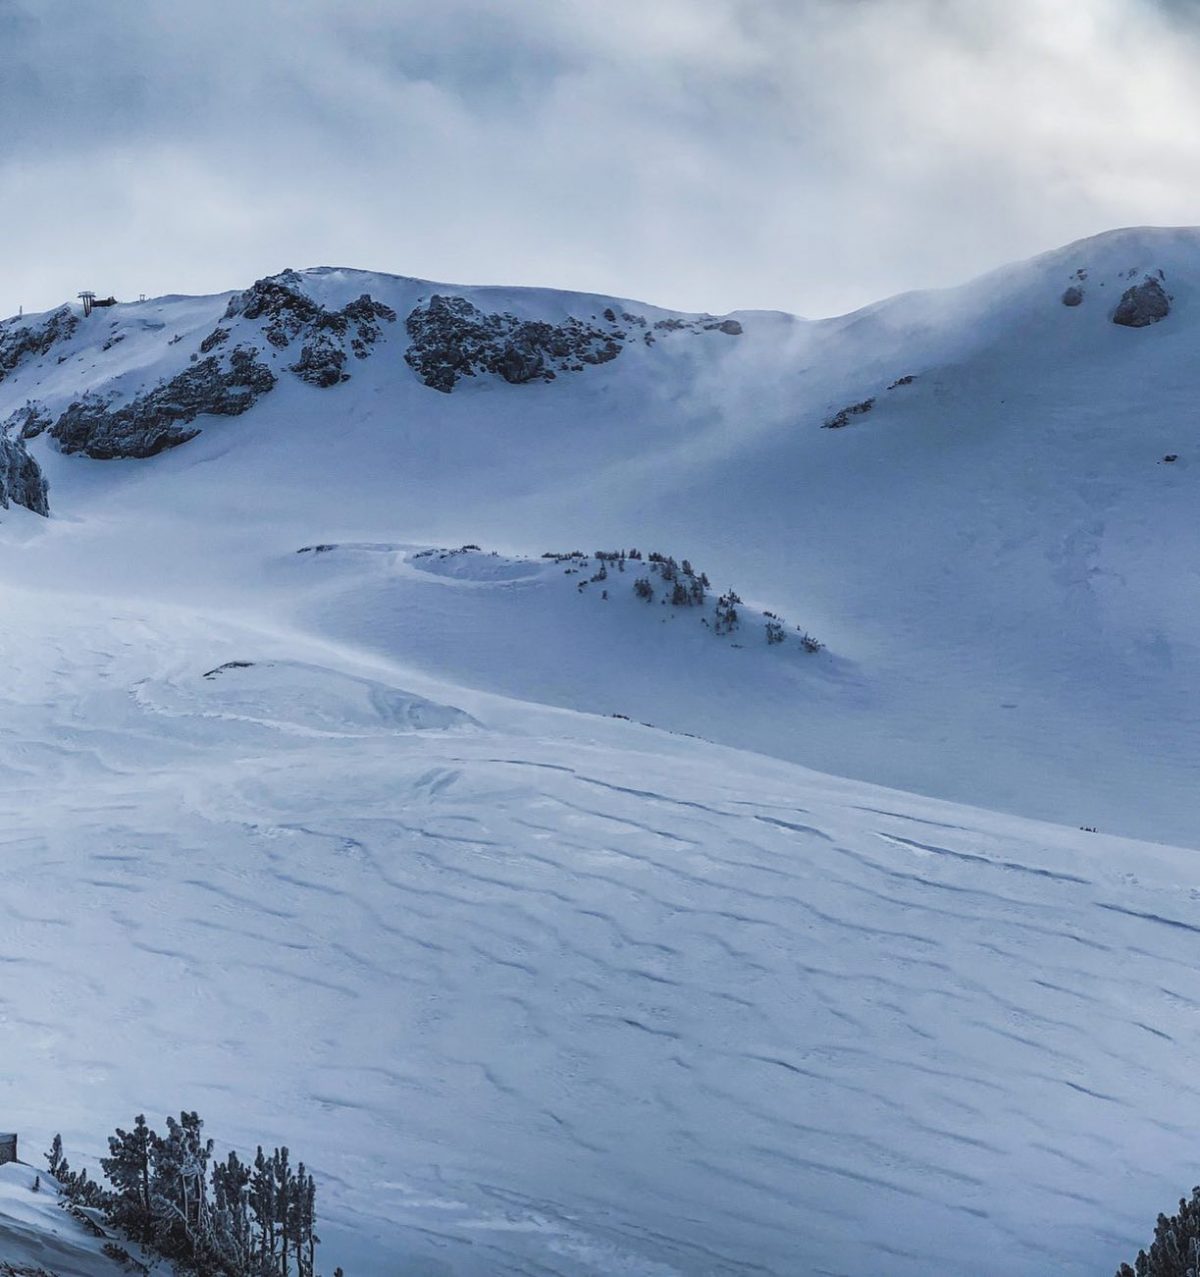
x=233, y=1234
x=263, y=1204
x=1175, y=1250
x=179, y=1188
x=127, y=1168
x=283, y=1202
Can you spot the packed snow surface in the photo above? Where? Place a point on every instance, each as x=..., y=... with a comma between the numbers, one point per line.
x=520, y=912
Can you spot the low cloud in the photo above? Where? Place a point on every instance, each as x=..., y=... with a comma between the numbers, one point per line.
x=809, y=155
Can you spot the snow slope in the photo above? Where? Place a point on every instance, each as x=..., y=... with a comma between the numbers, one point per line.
x=344, y=848
x=37, y=1235
x=539, y=992
x=997, y=552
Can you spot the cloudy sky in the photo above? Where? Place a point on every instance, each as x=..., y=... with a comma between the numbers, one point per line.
x=809, y=155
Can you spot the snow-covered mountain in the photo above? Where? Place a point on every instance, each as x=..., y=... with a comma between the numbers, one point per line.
x=353, y=798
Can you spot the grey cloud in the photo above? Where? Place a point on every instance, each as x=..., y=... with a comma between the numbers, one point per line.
x=804, y=154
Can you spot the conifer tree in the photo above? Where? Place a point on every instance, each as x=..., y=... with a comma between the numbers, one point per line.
x=1175, y=1250
x=232, y=1230
x=127, y=1169
x=59, y=1166
x=283, y=1178
x=263, y=1204
x=179, y=1187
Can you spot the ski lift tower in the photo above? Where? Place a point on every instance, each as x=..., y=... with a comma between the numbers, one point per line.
x=88, y=298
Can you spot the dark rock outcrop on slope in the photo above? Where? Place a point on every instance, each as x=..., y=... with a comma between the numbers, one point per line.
x=21, y=479
x=1143, y=304
x=161, y=418
x=28, y=421
x=327, y=337
x=1073, y=296
x=20, y=341
x=322, y=362
x=278, y=301
x=452, y=338
x=844, y=417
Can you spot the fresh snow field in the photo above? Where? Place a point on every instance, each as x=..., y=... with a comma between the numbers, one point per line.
x=35, y=1234
x=346, y=849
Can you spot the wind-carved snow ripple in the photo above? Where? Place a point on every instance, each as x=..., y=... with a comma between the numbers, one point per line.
x=543, y=1005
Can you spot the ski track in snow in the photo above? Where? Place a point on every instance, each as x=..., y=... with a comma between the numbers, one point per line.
x=549, y=1005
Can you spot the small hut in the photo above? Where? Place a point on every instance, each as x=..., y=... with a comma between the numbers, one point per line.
x=8, y=1148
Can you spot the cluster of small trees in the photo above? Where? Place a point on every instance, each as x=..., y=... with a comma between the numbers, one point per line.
x=687, y=585
x=727, y=619
x=1175, y=1250
x=683, y=586
x=688, y=588
x=216, y=1218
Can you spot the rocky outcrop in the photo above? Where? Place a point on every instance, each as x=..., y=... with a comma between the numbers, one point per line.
x=322, y=362
x=161, y=418
x=218, y=337
x=1143, y=304
x=20, y=341
x=279, y=301
x=704, y=324
x=21, y=479
x=451, y=338
x=327, y=337
x=358, y=320
x=28, y=421
x=843, y=418
x=1073, y=296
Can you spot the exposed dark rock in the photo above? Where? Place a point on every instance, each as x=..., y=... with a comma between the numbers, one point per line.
x=279, y=301
x=21, y=478
x=321, y=362
x=906, y=380
x=161, y=418
x=1143, y=304
x=218, y=337
x=28, y=421
x=843, y=418
x=1073, y=296
x=291, y=315
x=704, y=324
x=451, y=338
x=229, y=665
x=363, y=317
x=20, y=341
